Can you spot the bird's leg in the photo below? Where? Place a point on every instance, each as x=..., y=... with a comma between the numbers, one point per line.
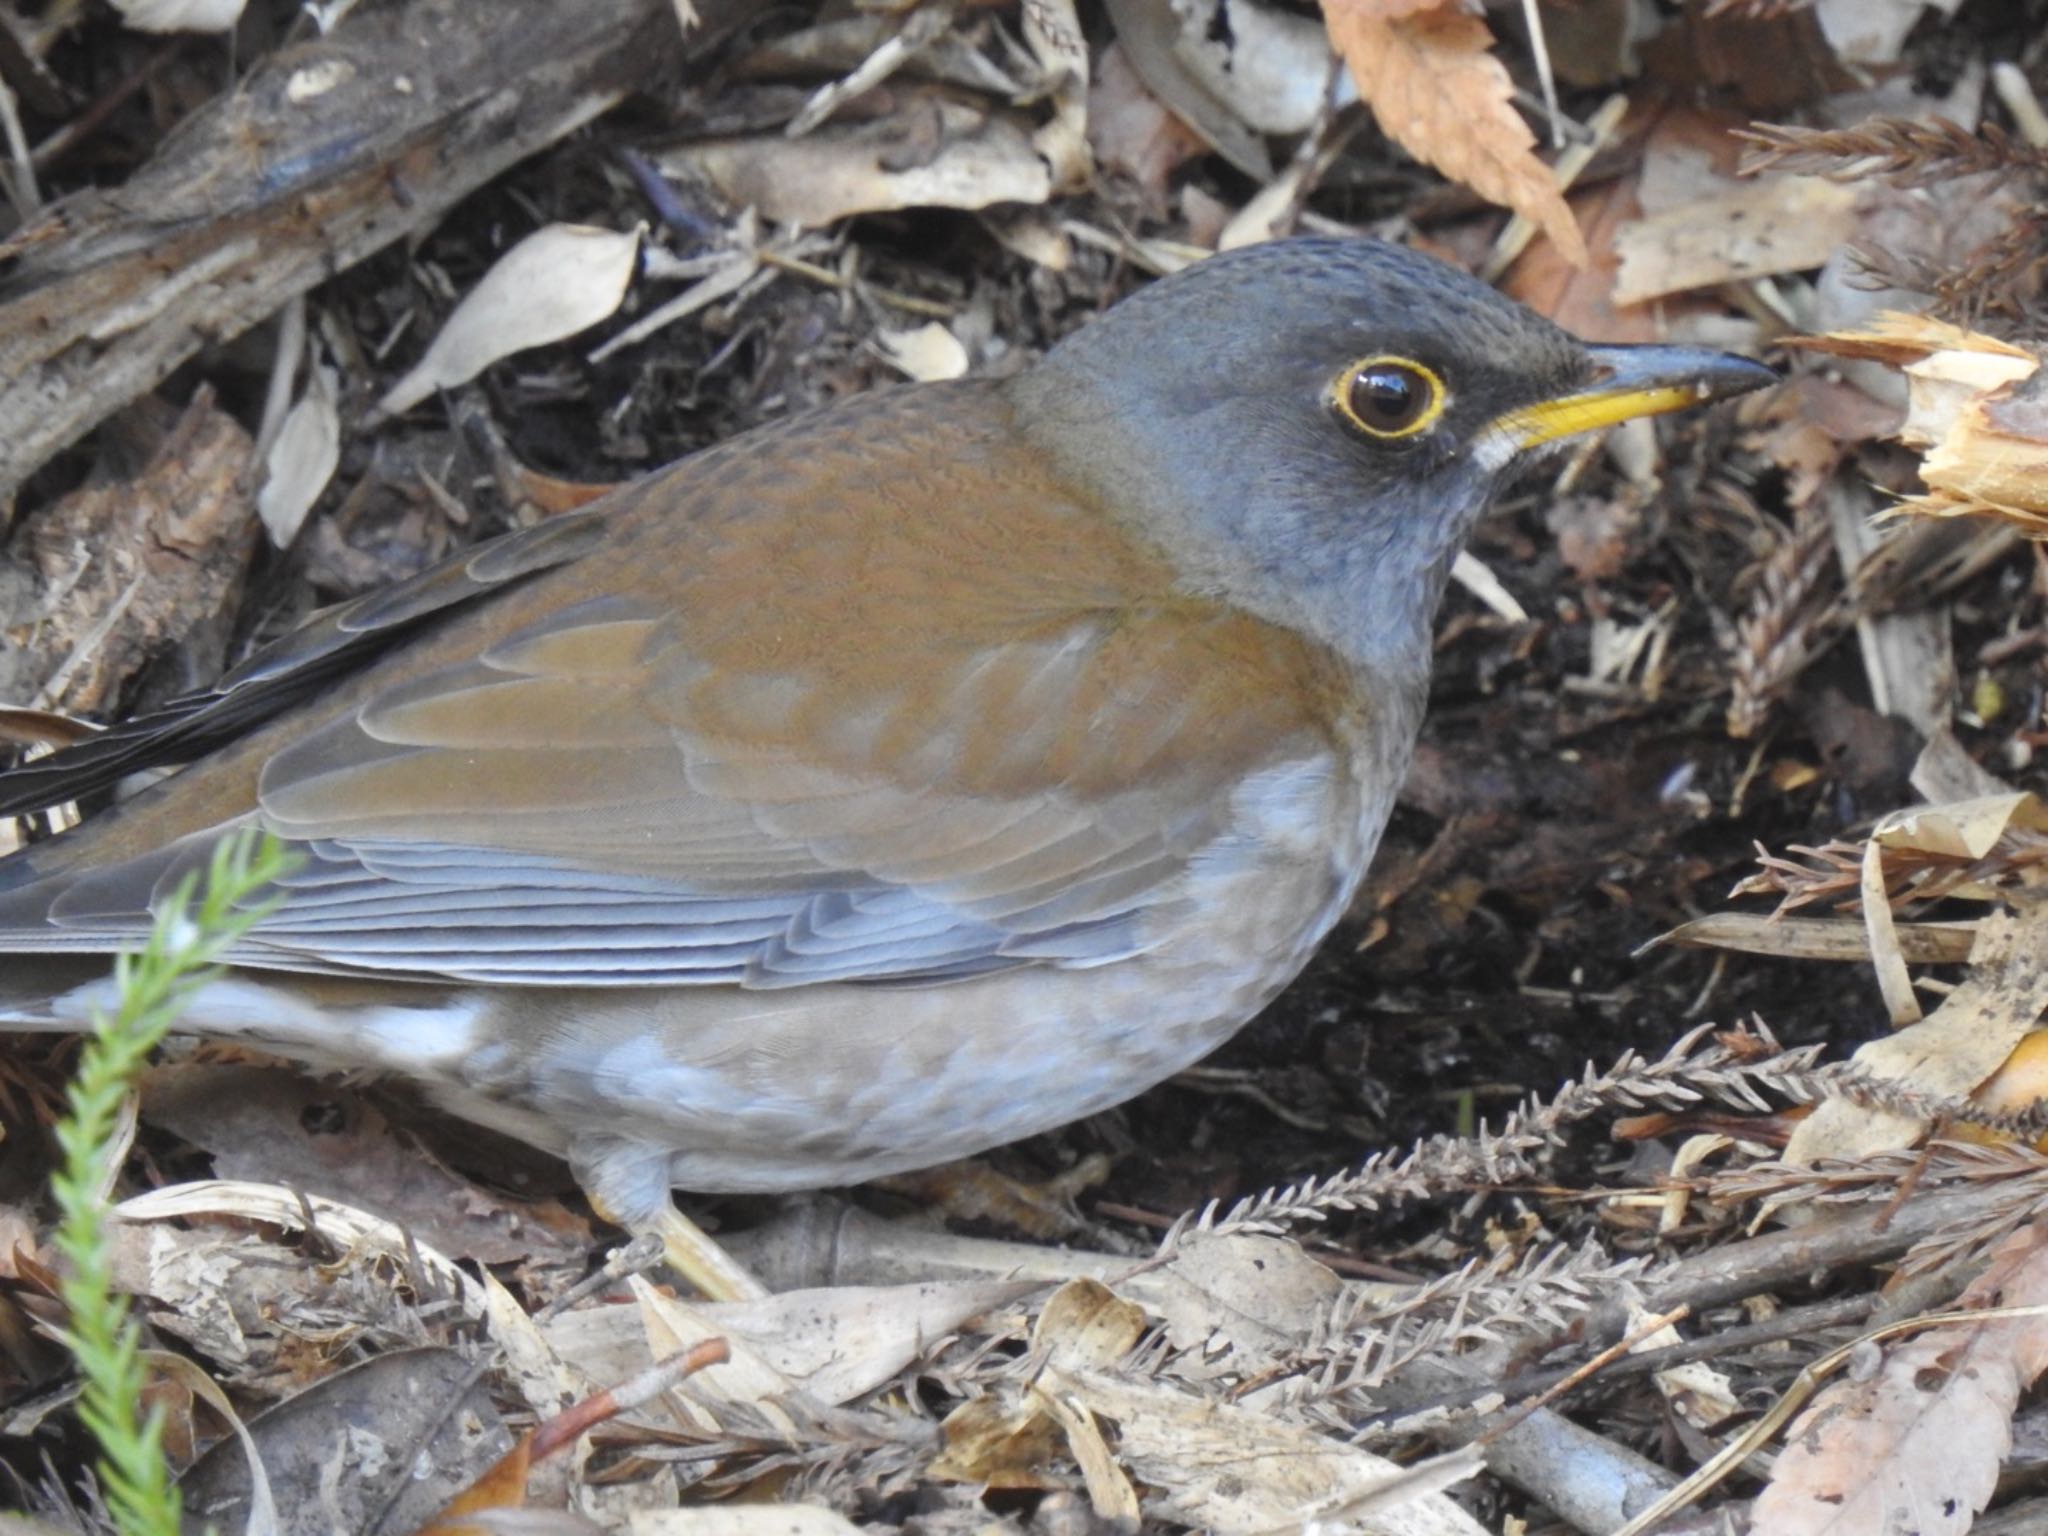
x=628, y=1186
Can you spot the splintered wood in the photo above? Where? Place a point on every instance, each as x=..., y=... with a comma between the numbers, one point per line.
x=1978, y=410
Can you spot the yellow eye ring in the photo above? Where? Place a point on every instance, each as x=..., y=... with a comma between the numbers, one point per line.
x=1389, y=397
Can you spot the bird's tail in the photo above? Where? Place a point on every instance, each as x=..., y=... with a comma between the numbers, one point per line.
x=34, y=989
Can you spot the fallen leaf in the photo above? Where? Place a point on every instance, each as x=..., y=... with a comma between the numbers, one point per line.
x=934, y=152
x=180, y=15
x=414, y=1423
x=1915, y=1449
x=1962, y=829
x=1786, y=224
x=928, y=353
x=1440, y=94
x=1950, y=1052
x=559, y=280
x=1053, y=33
x=1131, y=131
x=729, y=1519
x=302, y=460
x=280, y=1126
x=1224, y=1467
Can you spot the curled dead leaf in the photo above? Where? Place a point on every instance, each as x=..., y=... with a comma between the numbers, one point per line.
x=1440, y=94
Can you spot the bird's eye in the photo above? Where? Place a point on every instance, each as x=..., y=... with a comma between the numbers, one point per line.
x=1389, y=396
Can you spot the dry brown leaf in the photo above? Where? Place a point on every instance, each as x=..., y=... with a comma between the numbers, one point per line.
x=1917, y=1447
x=1441, y=95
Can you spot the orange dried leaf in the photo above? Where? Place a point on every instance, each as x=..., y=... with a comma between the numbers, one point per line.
x=1441, y=95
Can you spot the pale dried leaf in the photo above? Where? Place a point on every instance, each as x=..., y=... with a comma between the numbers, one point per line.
x=1441, y=95
x=1226, y=1468
x=1963, y=829
x=180, y=15
x=1954, y=1049
x=928, y=353
x=1109, y=1490
x=979, y=159
x=1246, y=1298
x=1268, y=67
x=1029, y=233
x=674, y=1325
x=1131, y=131
x=836, y=1342
x=1943, y=387
x=1945, y=773
x=546, y=1381
x=341, y=1225
x=1915, y=1449
x=557, y=281
x=262, y=1515
x=1821, y=938
x=844, y=1341
x=732, y=1519
x=1760, y=229
x=1887, y=960
x=302, y=460
x=1151, y=36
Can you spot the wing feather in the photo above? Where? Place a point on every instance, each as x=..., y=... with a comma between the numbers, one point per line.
x=907, y=742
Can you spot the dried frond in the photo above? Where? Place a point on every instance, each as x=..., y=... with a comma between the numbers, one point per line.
x=1911, y=875
x=1835, y=871
x=1687, y=1074
x=2005, y=1183
x=1358, y=1345
x=1943, y=1165
x=2000, y=277
x=1904, y=151
x=824, y=1451
x=1902, y=1098
x=1787, y=626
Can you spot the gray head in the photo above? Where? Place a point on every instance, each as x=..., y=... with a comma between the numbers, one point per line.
x=1311, y=427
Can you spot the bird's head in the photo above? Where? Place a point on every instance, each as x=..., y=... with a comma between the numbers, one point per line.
x=1310, y=428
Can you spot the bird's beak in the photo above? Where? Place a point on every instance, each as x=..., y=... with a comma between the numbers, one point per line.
x=1632, y=382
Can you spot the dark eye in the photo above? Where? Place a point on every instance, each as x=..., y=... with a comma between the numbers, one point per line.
x=1389, y=396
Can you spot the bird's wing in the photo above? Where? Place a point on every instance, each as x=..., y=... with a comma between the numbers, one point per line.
x=330, y=646
x=881, y=703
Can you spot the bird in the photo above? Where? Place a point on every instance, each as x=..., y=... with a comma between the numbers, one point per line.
x=876, y=787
